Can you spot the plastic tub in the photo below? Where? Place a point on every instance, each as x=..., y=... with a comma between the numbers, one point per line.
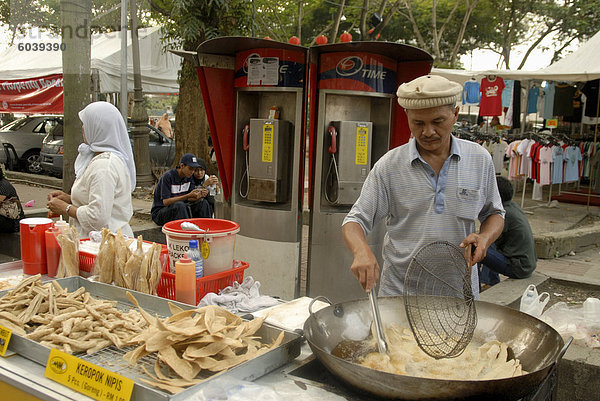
x=33, y=244
x=218, y=235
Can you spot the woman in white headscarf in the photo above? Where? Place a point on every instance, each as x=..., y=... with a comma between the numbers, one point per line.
x=104, y=175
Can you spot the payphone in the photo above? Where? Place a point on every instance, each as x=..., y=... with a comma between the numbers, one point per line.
x=266, y=143
x=349, y=153
x=254, y=95
x=355, y=121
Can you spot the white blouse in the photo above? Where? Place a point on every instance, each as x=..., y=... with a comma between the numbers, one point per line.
x=103, y=196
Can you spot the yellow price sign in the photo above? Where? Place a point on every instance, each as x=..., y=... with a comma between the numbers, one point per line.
x=205, y=250
x=4, y=339
x=362, y=145
x=552, y=123
x=87, y=378
x=267, y=143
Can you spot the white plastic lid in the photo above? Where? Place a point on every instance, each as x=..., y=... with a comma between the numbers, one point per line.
x=34, y=221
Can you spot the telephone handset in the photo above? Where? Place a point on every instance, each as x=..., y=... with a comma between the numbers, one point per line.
x=246, y=147
x=333, y=139
x=245, y=139
x=333, y=176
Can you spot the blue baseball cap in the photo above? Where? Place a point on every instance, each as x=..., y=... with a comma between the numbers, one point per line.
x=189, y=160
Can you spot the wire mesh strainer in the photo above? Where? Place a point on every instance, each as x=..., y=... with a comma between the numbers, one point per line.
x=438, y=299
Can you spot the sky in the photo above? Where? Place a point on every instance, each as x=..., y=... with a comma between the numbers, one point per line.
x=538, y=59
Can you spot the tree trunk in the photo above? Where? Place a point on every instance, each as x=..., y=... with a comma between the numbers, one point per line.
x=463, y=28
x=76, y=21
x=191, y=128
x=336, y=22
x=299, y=29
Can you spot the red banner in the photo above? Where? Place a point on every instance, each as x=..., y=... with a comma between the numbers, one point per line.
x=32, y=95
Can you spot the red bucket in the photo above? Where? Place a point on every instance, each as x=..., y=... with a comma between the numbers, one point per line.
x=33, y=244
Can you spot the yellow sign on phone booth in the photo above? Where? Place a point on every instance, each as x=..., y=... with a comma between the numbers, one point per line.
x=362, y=145
x=267, y=143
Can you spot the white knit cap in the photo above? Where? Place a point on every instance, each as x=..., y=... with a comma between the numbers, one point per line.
x=428, y=91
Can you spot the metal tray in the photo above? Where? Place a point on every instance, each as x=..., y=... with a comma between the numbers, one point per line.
x=111, y=358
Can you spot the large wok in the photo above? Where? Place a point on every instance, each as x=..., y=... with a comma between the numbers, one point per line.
x=537, y=345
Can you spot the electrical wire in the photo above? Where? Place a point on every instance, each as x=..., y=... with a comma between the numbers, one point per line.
x=245, y=173
x=333, y=163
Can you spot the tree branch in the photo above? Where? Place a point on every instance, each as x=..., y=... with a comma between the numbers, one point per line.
x=548, y=31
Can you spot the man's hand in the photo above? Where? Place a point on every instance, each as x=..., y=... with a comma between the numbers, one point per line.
x=479, y=245
x=489, y=231
x=197, y=194
x=364, y=266
x=366, y=269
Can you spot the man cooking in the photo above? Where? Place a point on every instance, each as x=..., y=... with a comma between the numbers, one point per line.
x=430, y=189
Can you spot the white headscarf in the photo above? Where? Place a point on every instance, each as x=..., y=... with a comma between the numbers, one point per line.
x=105, y=131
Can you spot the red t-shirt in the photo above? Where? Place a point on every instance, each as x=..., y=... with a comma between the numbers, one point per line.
x=491, y=97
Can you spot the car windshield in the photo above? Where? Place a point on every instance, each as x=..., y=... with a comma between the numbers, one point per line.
x=16, y=125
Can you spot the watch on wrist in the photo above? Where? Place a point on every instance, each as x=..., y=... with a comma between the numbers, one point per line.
x=67, y=209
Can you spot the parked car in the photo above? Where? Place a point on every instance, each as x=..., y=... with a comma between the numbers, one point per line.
x=162, y=149
x=26, y=135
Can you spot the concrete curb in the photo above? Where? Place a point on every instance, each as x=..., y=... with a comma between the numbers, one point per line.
x=556, y=244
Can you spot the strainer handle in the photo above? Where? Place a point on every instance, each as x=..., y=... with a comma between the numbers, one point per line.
x=469, y=256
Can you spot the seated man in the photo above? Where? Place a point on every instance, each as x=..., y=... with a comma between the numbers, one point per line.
x=513, y=253
x=175, y=196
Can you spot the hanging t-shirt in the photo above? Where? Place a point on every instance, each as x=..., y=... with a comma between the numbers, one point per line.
x=521, y=149
x=590, y=89
x=514, y=160
x=516, y=105
x=549, y=102
x=557, y=162
x=541, y=99
x=572, y=159
x=491, y=97
x=470, y=95
x=563, y=100
x=507, y=93
x=577, y=107
x=545, y=165
x=532, y=99
x=498, y=152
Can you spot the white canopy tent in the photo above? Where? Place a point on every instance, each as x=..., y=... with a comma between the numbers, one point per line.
x=159, y=68
x=580, y=66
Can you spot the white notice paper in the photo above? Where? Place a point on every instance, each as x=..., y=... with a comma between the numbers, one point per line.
x=263, y=71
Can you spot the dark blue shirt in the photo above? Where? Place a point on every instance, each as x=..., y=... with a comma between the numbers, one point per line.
x=168, y=186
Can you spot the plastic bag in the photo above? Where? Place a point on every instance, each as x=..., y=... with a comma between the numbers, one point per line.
x=231, y=389
x=567, y=321
x=532, y=303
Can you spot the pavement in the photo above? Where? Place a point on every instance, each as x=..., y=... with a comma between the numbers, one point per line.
x=567, y=235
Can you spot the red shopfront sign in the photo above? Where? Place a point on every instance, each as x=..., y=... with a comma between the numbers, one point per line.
x=33, y=95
